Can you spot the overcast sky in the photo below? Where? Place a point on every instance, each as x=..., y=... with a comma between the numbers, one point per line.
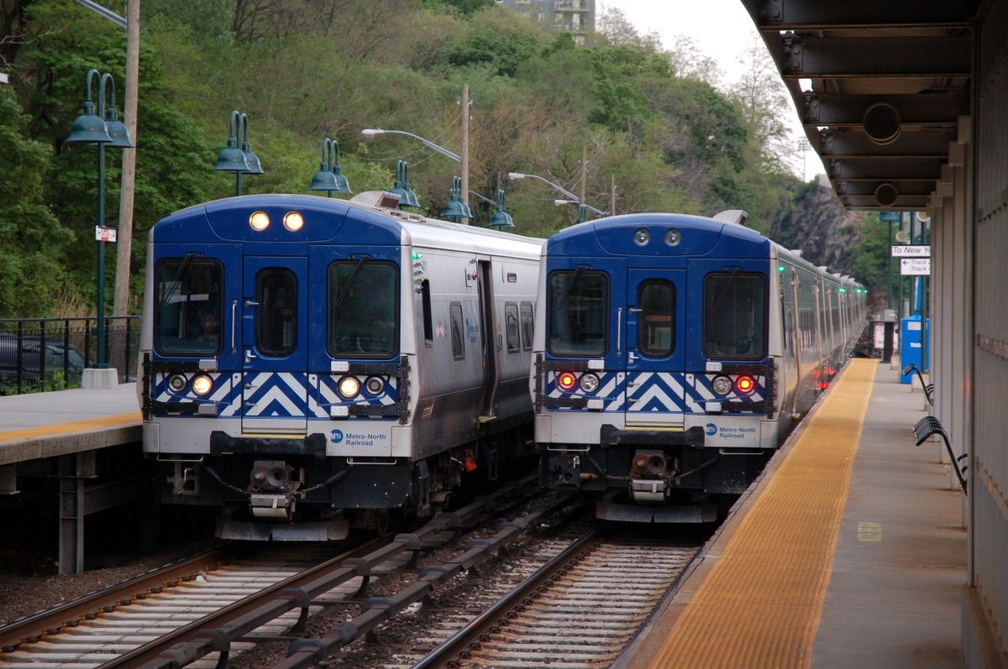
x=722, y=29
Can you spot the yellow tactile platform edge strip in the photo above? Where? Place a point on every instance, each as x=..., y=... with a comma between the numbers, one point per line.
x=70, y=427
x=761, y=603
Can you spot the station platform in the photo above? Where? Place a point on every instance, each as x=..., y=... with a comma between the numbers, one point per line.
x=41, y=425
x=56, y=437
x=849, y=552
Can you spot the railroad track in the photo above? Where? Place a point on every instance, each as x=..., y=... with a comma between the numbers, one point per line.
x=565, y=597
x=209, y=608
x=581, y=609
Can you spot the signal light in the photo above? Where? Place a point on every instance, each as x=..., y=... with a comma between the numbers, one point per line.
x=259, y=221
x=566, y=380
x=202, y=385
x=293, y=221
x=348, y=387
x=744, y=385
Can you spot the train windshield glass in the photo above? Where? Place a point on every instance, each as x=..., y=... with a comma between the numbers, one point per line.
x=276, y=327
x=363, y=309
x=735, y=315
x=656, y=320
x=578, y=313
x=187, y=317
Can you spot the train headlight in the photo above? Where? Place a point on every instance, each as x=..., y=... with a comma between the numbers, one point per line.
x=374, y=385
x=589, y=383
x=293, y=221
x=348, y=387
x=722, y=385
x=641, y=237
x=566, y=380
x=259, y=221
x=745, y=385
x=177, y=382
x=673, y=237
x=202, y=385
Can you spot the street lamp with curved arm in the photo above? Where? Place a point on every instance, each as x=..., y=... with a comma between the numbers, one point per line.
x=102, y=129
x=369, y=133
x=571, y=197
x=556, y=187
x=581, y=204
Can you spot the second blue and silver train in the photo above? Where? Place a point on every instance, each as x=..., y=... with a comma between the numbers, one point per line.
x=673, y=354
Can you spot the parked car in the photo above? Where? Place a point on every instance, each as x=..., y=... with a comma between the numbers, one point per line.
x=49, y=363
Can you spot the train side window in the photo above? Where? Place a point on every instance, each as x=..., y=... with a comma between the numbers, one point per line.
x=511, y=327
x=428, y=319
x=527, y=325
x=363, y=305
x=189, y=310
x=457, y=330
x=735, y=315
x=577, y=313
x=656, y=299
x=276, y=323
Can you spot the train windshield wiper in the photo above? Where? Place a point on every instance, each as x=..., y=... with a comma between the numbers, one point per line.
x=353, y=278
x=175, y=283
x=570, y=286
x=724, y=292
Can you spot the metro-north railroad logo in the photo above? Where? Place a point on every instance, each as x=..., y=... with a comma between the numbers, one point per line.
x=337, y=436
x=710, y=429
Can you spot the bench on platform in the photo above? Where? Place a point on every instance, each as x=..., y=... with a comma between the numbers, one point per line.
x=928, y=387
x=929, y=425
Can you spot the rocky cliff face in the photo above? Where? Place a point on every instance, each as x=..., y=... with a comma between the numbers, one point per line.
x=819, y=225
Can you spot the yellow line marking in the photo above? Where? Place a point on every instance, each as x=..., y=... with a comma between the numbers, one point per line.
x=71, y=427
x=867, y=531
x=761, y=602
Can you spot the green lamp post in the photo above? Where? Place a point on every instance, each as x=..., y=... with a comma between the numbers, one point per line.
x=237, y=156
x=329, y=177
x=101, y=129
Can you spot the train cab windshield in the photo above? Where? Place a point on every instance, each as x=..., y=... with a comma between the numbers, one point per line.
x=189, y=307
x=578, y=313
x=363, y=300
x=735, y=316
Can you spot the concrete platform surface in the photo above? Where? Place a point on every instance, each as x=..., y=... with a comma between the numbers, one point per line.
x=892, y=598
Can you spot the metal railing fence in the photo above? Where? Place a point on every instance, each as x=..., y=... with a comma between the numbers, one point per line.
x=39, y=354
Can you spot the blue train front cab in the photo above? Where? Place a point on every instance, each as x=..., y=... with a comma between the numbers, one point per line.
x=669, y=361
x=310, y=364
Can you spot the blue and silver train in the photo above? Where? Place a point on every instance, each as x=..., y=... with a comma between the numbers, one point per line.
x=673, y=354
x=310, y=364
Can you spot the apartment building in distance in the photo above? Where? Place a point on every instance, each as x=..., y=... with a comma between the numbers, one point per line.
x=575, y=16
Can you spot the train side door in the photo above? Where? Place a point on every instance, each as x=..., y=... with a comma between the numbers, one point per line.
x=274, y=345
x=488, y=340
x=656, y=385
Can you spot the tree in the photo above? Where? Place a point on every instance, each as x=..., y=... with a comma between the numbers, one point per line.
x=32, y=240
x=764, y=101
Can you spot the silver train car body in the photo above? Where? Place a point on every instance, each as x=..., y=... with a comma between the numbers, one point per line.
x=364, y=360
x=673, y=354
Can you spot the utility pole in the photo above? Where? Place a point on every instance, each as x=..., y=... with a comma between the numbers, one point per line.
x=465, y=148
x=584, y=172
x=124, y=237
x=612, y=194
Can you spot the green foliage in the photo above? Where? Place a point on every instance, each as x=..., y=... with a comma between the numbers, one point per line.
x=645, y=121
x=871, y=259
x=489, y=51
x=31, y=238
x=462, y=6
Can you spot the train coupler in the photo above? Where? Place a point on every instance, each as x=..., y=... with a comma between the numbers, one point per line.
x=274, y=507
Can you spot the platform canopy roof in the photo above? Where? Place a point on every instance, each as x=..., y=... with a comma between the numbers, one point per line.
x=882, y=87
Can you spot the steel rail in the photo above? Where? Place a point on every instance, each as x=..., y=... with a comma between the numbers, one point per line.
x=463, y=638
x=51, y=621
x=216, y=632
